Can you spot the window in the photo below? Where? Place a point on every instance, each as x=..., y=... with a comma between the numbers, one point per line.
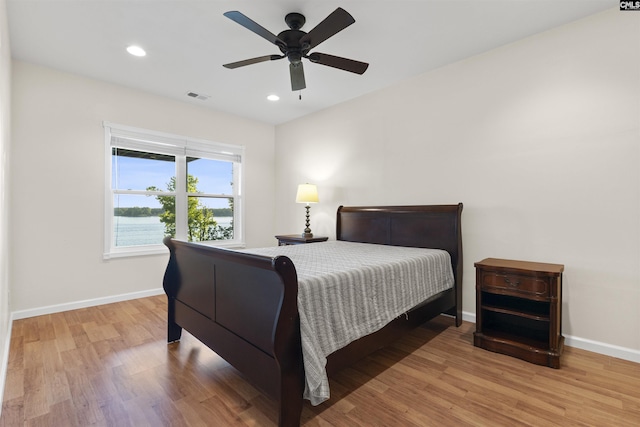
x=161, y=185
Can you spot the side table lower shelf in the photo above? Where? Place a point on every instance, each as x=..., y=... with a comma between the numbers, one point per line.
x=531, y=350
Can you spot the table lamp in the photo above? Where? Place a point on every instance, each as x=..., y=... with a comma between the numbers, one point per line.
x=307, y=193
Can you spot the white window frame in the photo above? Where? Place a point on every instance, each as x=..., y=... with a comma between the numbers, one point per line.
x=181, y=147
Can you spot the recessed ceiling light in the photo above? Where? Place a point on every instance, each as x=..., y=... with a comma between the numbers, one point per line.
x=273, y=98
x=136, y=50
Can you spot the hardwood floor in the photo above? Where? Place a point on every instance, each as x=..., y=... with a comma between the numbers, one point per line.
x=110, y=366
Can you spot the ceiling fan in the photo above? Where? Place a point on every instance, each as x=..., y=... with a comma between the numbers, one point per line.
x=296, y=44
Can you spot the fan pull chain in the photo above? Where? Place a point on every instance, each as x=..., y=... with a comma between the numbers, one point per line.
x=300, y=96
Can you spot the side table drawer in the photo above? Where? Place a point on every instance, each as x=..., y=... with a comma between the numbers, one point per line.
x=514, y=284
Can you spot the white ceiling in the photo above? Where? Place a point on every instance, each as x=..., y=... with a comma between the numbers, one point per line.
x=187, y=41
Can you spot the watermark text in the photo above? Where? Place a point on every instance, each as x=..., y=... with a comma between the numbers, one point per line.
x=629, y=5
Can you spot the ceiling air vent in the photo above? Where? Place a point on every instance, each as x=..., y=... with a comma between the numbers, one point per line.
x=198, y=96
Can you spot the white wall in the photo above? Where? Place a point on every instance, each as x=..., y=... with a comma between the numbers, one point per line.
x=540, y=141
x=5, y=119
x=58, y=179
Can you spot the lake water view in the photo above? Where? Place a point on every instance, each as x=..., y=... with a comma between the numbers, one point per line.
x=145, y=230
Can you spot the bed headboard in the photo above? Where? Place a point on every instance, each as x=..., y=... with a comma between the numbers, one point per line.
x=428, y=226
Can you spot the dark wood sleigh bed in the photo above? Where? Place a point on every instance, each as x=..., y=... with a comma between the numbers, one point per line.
x=244, y=306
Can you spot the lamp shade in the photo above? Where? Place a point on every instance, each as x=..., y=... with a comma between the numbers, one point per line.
x=307, y=193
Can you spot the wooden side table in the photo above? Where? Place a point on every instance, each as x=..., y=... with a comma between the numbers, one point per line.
x=297, y=239
x=519, y=309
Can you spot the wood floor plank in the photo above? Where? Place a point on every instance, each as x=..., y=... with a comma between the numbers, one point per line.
x=60, y=414
x=111, y=366
x=35, y=400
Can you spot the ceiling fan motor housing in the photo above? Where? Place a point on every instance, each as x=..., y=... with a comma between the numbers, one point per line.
x=294, y=50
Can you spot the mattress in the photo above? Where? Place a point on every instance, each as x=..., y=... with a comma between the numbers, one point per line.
x=348, y=290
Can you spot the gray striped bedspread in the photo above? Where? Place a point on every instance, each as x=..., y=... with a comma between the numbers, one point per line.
x=349, y=290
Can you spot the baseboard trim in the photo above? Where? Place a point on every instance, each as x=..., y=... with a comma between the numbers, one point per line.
x=585, y=344
x=50, y=309
x=469, y=317
x=603, y=348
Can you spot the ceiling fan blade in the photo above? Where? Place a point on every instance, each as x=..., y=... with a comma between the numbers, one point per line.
x=253, y=61
x=297, y=76
x=339, y=62
x=251, y=25
x=337, y=21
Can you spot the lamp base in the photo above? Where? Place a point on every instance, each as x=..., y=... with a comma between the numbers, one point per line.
x=307, y=234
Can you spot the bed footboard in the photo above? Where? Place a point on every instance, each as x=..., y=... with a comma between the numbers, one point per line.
x=243, y=307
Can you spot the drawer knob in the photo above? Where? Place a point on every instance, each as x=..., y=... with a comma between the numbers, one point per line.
x=510, y=283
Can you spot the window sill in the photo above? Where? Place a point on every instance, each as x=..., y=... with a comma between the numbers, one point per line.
x=136, y=251
x=226, y=245
x=162, y=250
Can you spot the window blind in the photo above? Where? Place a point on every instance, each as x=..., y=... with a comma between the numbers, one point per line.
x=163, y=143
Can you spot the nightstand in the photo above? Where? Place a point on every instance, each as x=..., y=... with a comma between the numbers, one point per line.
x=519, y=309
x=297, y=239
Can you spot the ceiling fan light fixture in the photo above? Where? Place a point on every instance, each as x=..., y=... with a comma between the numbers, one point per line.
x=273, y=97
x=294, y=57
x=136, y=50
